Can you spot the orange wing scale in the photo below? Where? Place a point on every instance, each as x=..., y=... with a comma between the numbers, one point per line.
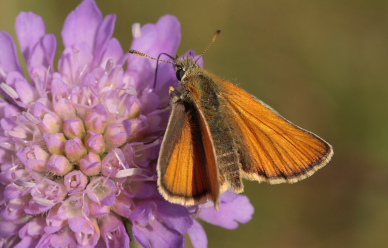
x=274, y=150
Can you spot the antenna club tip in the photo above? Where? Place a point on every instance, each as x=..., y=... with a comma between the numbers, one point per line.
x=216, y=34
x=133, y=51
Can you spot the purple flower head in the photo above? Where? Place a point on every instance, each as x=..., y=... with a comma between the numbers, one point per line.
x=75, y=165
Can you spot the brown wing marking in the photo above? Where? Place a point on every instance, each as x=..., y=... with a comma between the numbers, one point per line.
x=273, y=149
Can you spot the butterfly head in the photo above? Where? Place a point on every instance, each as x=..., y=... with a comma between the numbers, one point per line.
x=184, y=65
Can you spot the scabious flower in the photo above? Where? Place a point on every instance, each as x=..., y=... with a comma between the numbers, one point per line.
x=75, y=170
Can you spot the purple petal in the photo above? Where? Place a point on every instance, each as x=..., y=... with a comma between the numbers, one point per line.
x=8, y=55
x=94, y=142
x=89, y=235
x=11, y=192
x=30, y=28
x=142, y=214
x=77, y=224
x=90, y=165
x=96, y=119
x=9, y=228
x=104, y=33
x=102, y=190
x=4, y=105
x=75, y=206
x=162, y=37
x=33, y=228
x=139, y=189
x=27, y=242
x=98, y=210
x=82, y=54
x=112, y=163
x=60, y=89
x=197, y=235
x=15, y=208
x=45, y=195
x=81, y=25
x=26, y=92
x=113, y=232
x=140, y=72
x=42, y=55
x=75, y=181
x=234, y=209
x=55, y=222
x=158, y=120
x=150, y=101
x=155, y=234
x=113, y=51
x=49, y=45
x=123, y=206
x=115, y=136
x=75, y=61
x=64, y=238
x=174, y=216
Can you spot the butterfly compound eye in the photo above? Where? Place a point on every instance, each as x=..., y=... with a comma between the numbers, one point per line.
x=179, y=74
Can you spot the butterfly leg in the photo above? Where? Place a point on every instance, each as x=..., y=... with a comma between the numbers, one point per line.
x=175, y=95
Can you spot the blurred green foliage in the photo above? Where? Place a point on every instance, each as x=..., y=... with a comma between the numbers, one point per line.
x=324, y=66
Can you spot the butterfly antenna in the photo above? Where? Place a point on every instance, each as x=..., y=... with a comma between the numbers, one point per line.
x=157, y=66
x=146, y=56
x=210, y=44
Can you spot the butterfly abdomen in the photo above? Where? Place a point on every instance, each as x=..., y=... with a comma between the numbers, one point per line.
x=228, y=158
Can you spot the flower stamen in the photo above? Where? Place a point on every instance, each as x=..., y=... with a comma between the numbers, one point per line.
x=11, y=92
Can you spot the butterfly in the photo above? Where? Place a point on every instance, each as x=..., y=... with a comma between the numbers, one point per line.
x=218, y=134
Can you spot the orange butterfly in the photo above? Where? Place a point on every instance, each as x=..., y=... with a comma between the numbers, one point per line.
x=219, y=134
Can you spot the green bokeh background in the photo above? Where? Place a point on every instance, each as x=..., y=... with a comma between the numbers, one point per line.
x=322, y=65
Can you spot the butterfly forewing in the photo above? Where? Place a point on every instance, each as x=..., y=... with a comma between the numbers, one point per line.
x=187, y=171
x=273, y=149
